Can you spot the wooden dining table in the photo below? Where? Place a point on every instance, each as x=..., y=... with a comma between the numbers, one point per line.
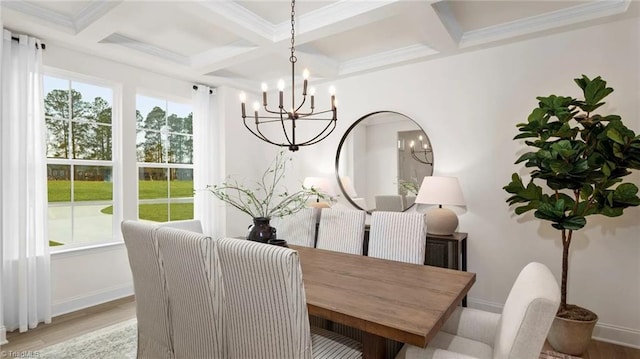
x=405, y=302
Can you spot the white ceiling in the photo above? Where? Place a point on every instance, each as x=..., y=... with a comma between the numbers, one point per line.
x=243, y=43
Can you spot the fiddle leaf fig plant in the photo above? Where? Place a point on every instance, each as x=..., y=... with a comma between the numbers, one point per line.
x=577, y=161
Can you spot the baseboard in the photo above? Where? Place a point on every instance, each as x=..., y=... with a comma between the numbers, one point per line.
x=604, y=332
x=617, y=335
x=484, y=305
x=3, y=336
x=91, y=299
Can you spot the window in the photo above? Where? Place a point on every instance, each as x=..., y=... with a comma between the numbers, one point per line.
x=80, y=137
x=165, y=159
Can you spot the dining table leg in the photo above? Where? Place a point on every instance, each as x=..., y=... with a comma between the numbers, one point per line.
x=373, y=346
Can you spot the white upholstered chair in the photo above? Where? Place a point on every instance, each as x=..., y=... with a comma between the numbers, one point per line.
x=389, y=203
x=398, y=236
x=194, y=285
x=341, y=230
x=265, y=306
x=152, y=305
x=298, y=228
x=193, y=225
x=518, y=333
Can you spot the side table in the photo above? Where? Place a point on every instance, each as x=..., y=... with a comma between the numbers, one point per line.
x=448, y=252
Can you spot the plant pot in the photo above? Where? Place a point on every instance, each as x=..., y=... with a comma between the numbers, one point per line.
x=261, y=231
x=571, y=336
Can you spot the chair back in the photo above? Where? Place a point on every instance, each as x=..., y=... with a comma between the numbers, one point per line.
x=528, y=313
x=194, y=285
x=398, y=236
x=298, y=228
x=265, y=305
x=341, y=230
x=193, y=225
x=389, y=203
x=152, y=304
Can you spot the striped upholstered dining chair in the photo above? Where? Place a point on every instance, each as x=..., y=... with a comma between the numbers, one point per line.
x=265, y=306
x=193, y=225
x=194, y=285
x=398, y=236
x=298, y=228
x=341, y=230
x=152, y=303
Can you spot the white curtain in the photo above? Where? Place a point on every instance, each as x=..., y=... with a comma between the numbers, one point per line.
x=208, y=161
x=25, y=289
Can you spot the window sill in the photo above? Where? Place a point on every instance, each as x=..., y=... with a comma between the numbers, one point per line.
x=86, y=249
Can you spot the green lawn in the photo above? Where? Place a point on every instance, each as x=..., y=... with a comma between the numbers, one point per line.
x=158, y=212
x=60, y=191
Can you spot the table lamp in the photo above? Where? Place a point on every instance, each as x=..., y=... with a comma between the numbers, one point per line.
x=322, y=185
x=440, y=191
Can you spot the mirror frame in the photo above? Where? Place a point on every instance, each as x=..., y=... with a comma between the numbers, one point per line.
x=343, y=140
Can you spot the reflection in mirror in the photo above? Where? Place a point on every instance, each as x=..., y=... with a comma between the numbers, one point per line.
x=381, y=160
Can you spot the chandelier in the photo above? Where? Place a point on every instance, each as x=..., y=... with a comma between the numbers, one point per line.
x=421, y=155
x=288, y=119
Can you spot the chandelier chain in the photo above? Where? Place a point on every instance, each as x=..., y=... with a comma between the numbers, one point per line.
x=293, y=32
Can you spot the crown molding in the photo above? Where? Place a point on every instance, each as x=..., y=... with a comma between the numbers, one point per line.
x=573, y=15
x=392, y=57
x=327, y=16
x=448, y=19
x=152, y=50
x=242, y=17
x=219, y=54
x=92, y=12
x=43, y=14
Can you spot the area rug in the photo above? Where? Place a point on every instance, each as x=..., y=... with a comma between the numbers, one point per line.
x=550, y=354
x=114, y=342
x=119, y=342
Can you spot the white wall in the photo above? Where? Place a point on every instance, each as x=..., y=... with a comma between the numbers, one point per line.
x=469, y=105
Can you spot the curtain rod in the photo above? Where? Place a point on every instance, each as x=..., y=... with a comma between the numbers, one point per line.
x=196, y=87
x=42, y=45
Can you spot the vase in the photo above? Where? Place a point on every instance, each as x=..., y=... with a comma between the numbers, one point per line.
x=261, y=231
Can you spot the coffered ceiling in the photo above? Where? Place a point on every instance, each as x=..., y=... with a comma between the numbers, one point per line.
x=243, y=43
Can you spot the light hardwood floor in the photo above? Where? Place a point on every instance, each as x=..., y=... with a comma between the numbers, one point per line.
x=83, y=321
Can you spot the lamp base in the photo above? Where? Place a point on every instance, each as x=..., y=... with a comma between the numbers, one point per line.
x=441, y=221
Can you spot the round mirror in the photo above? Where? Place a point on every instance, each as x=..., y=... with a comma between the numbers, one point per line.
x=381, y=161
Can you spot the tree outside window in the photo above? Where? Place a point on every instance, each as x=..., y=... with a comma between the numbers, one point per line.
x=80, y=164
x=165, y=159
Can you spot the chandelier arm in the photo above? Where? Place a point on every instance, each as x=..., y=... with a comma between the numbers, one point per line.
x=314, y=113
x=286, y=134
x=304, y=99
x=279, y=112
x=415, y=157
x=262, y=137
x=315, y=140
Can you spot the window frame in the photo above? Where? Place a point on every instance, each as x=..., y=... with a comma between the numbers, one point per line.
x=158, y=95
x=115, y=163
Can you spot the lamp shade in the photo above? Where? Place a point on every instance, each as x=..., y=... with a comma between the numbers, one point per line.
x=321, y=184
x=440, y=191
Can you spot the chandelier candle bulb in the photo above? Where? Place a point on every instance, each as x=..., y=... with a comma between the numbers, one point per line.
x=264, y=94
x=256, y=106
x=281, y=92
x=243, y=99
x=305, y=76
